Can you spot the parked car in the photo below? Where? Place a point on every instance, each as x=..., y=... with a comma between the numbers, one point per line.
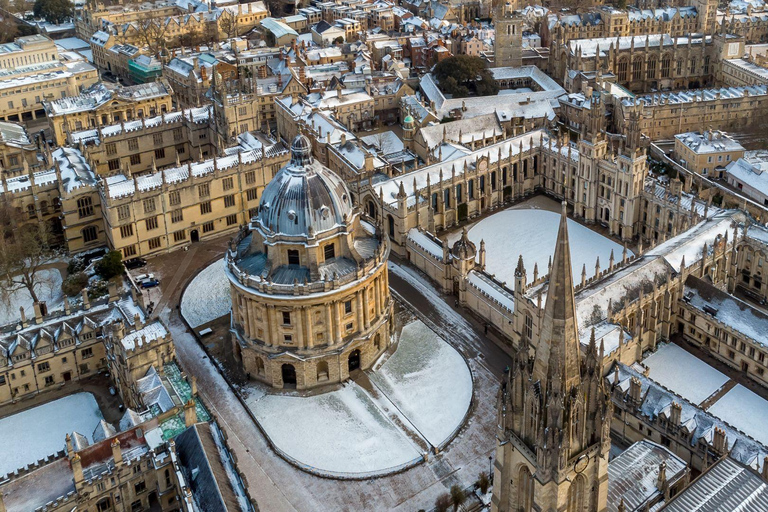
x=133, y=263
x=142, y=277
x=149, y=283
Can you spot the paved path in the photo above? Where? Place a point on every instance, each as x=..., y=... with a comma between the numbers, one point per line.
x=278, y=486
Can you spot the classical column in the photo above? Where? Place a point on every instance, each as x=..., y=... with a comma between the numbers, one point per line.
x=337, y=323
x=359, y=305
x=329, y=324
x=366, y=309
x=310, y=330
x=377, y=294
x=270, y=338
x=300, y=327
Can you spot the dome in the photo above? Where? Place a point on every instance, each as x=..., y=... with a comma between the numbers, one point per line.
x=408, y=119
x=464, y=248
x=305, y=198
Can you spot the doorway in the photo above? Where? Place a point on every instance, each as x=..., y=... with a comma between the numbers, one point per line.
x=67, y=376
x=289, y=376
x=354, y=360
x=194, y=236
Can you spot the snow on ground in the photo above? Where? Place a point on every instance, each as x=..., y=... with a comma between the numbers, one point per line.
x=48, y=290
x=341, y=431
x=207, y=297
x=533, y=233
x=452, y=319
x=683, y=373
x=38, y=432
x=744, y=410
x=428, y=381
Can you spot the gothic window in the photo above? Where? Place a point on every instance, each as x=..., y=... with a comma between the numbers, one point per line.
x=622, y=70
x=666, y=63
x=652, y=68
x=637, y=69
x=524, y=489
x=576, y=495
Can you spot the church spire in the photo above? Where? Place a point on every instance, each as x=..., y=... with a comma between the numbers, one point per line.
x=557, y=356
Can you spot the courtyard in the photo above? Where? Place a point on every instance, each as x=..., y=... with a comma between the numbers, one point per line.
x=381, y=421
x=529, y=228
x=39, y=432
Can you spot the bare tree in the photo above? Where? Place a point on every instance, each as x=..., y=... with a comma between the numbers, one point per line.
x=25, y=249
x=151, y=30
x=228, y=24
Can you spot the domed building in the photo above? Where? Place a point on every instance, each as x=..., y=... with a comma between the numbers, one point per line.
x=309, y=282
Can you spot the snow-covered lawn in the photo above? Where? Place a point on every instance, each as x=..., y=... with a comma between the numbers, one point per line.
x=428, y=381
x=533, y=233
x=339, y=432
x=48, y=290
x=207, y=296
x=684, y=374
x=424, y=385
x=744, y=410
x=38, y=432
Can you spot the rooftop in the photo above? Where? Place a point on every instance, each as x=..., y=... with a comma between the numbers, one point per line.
x=710, y=141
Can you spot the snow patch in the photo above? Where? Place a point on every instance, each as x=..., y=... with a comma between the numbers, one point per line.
x=207, y=297
x=41, y=431
x=745, y=410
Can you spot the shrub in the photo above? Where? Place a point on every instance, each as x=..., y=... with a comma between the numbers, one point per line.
x=483, y=482
x=458, y=497
x=74, y=284
x=75, y=265
x=443, y=503
x=110, y=265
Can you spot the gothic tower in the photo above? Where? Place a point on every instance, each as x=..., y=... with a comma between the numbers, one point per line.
x=508, y=45
x=554, y=412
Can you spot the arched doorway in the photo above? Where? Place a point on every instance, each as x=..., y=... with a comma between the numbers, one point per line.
x=289, y=376
x=354, y=360
x=371, y=209
x=194, y=235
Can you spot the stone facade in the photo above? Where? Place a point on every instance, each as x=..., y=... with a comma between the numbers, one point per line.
x=167, y=209
x=310, y=294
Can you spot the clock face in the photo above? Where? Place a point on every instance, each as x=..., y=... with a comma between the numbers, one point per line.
x=483, y=165
x=581, y=464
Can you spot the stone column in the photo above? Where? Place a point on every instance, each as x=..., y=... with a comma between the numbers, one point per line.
x=377, y=295
x=269, y=339
x=337, y=324
x=359, y=305
x=310, y=330
x=300, y=327
x=366, y=309
x=328, y=323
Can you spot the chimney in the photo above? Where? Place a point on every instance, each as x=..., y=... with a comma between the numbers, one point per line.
x=38, y=313
x=661, y=481
x=137, y=321
x=77, y=469
x=718, y=442
x=765, y=468
x=86, y=302
x=675, y=413
x=23, y=317
x=635, y=389
x=190, y=413
x=117, y=453
x=193, y=385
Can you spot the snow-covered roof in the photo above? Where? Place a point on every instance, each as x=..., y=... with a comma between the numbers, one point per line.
x=689, y=245
x=751, y=170
x=13, y=134
x=590, y=47
x=701, y=424
x=694, y=95
x=196, y=115
x=633, y=475
x=728, y=485
x=145, y=335
x=711, y=141
x=727, y=309
x=278, y=28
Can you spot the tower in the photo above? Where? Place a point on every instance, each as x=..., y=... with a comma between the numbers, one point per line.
x=554, y=412
x=508, y=46
x=706, y=12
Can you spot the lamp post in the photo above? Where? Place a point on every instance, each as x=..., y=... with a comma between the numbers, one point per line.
x=490, y=468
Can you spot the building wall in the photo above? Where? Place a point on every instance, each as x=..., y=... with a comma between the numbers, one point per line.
x=148, y=222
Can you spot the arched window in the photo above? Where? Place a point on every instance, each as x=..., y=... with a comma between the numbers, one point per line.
x=391, y=221
x=85, y=207
x=666, y=65
x=637, y=69
x=322, y=371
x=621, y=73
x=259, y=366
x=524, y=490
x=31, y=211
x=576, y=495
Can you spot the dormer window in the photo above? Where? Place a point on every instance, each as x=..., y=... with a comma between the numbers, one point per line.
x=293, y=257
